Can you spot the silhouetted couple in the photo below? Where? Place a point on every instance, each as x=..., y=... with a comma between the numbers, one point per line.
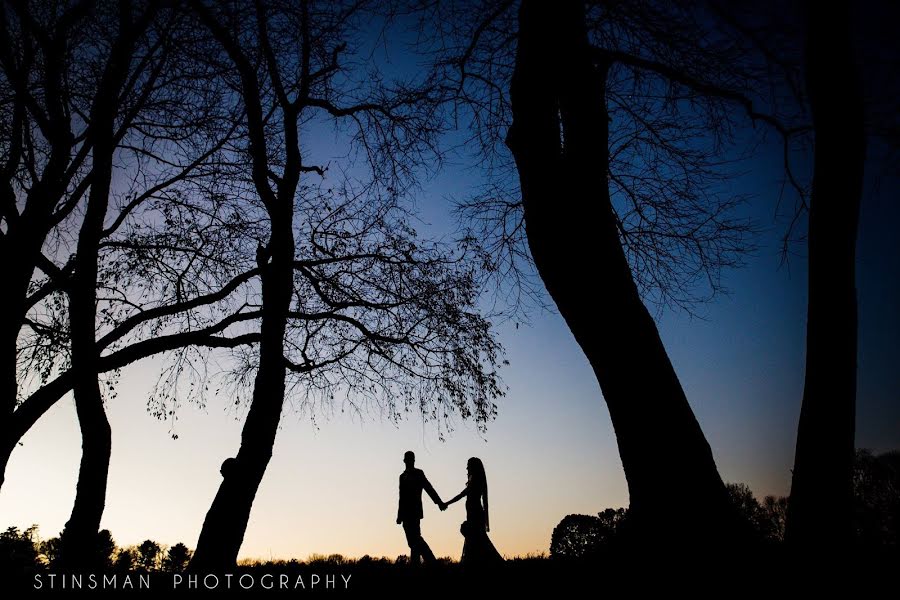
x=478, y=551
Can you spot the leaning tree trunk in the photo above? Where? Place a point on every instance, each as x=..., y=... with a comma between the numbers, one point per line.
x=21, y=248
x=559, y=138
x=19, y=254
x=226, y=521
x=16, y=284
x=20, y=251
x=819, y=513
x=16, y=278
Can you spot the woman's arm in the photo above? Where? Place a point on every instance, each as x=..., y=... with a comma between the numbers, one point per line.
x=460, y=495
x=487, y=520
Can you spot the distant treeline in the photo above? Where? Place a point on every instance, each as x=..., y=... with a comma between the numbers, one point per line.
x=876, y=513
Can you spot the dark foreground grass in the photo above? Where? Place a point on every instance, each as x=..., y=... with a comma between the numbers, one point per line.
x=620, y=575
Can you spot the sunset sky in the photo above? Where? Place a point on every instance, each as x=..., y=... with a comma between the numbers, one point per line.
x=332, y=485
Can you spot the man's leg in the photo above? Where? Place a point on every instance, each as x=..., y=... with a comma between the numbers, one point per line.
x=421, y=545
x=417, y=545
x=413, y=535
x=427, y=554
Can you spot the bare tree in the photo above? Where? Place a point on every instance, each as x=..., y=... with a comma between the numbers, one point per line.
x=649, y=94
x=115, y=86
x=43, y=155
x=353, y=306
x=671, y=110
x=96, y=436
x=559, y=138
x=675, y=74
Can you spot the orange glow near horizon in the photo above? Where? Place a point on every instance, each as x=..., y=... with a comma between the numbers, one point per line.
x=330, y=488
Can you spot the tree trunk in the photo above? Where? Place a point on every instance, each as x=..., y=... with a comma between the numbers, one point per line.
x=96, y=438
x=21, y=257
x=21, y=251
x=819, y=513
x=572, y=233
x=9, y=333
x=80, y=537
x=27, y=414
x=226, y=521
x=23, y=243
x=7, y=445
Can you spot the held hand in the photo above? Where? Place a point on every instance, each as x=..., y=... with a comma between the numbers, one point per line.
x=443, y=506
x=399, y=521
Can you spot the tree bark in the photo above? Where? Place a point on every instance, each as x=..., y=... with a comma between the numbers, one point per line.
x=559, y=139
x=226, y=521
x=21, y=250
x=96, y=437
x=819, y=512
x=9, y=335
x=21, y=247
x=7, y=445
x=80, y=535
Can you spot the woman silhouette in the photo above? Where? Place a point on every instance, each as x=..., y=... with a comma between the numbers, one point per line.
x=477, y=550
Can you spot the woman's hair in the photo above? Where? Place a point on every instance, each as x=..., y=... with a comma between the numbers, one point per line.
x=477, y=477
x=478, y=483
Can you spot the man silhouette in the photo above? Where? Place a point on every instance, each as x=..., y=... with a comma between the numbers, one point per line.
x=409, y=511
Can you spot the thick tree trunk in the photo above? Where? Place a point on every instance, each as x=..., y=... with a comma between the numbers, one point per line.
x=80, y=535
x=25, y=236
x=21, y=268
x=226, y=521
x=9, y=334
x=819, y=513
x=559, y=139
x=96, y=439
x=79, y=539
x=27, y=414
x=9, y=331
x=22, y=247
x=7, y=445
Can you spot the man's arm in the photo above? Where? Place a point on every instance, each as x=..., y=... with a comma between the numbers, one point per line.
x=399, y=500
x=426, y=485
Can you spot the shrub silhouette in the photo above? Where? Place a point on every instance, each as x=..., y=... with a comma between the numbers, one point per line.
x=766, y=518
x=50, y=550
x=177, y=558
x=18, y=550
x=126, y=559
x=105, y=549
x=876, y=492
x=148, y=555
x=582, y=536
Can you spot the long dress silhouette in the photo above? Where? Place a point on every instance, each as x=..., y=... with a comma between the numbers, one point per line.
x=478, y=551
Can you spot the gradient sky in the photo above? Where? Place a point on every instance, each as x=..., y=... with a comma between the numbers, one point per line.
x=332, y=484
